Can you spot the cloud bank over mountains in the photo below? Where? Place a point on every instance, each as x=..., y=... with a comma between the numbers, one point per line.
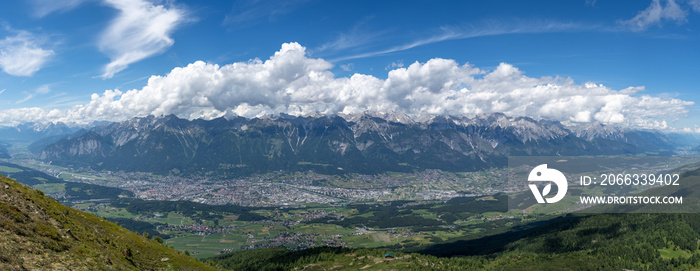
x=292, y=82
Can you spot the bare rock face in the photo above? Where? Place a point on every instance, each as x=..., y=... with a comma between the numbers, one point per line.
x=368, y=142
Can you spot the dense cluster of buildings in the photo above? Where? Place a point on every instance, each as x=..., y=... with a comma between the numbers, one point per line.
x=284, y=189
x=198, y=229
x=295, y=241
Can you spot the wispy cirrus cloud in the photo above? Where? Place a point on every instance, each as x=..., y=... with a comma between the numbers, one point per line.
x=491, y=28
x=141, y=30
x=22, y=54
x=394, y=65
x=41, y=90
x=252, y=12
x=46, y=7
x=347, y=67
x=695, y=5
x=357, y=36
x=61, y=100
x=29, y=96
x=656, y=13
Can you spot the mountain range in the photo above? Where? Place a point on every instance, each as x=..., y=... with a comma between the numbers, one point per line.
x=30, y=132
x=369, y=142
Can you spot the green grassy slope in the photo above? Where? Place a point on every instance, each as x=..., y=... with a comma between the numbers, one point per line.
x=37, y=232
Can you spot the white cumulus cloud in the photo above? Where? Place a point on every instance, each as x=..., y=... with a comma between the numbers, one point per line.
x=22, y=55
x=141, y=30
x=291, y=82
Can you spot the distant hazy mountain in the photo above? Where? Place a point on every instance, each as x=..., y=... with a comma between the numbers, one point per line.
x=641, y=139
x=30, y=132
x=367, y=143
x=38, y=146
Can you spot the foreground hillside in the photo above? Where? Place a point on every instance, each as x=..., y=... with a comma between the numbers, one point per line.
x=37, y=232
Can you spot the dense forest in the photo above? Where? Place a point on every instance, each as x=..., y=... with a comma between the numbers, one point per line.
x=573, y=242
x=188, y=208
x=73, y=190
x=139, y=226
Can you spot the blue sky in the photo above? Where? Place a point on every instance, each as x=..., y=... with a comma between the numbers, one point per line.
x=627, y=63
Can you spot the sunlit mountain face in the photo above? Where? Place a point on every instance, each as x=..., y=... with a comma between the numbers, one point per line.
x=360, y=143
